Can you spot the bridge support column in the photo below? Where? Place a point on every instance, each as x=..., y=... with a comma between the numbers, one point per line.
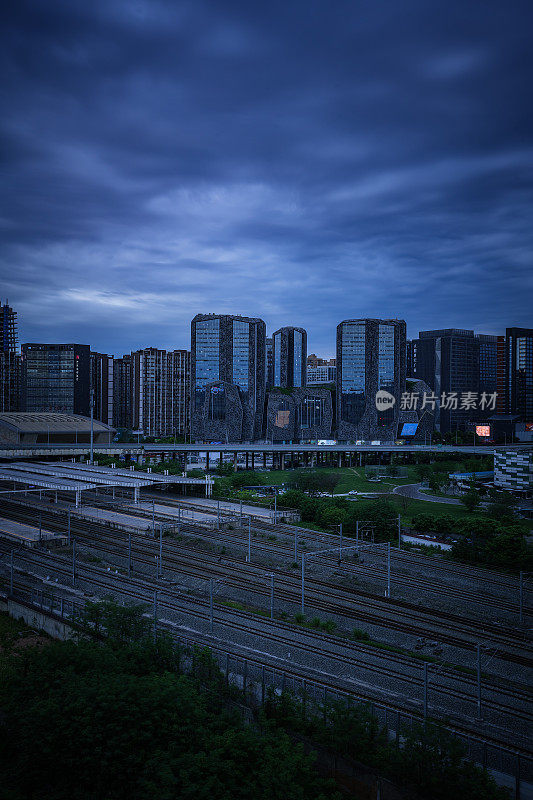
x=282, y=459
x=234, y=462
x=264, y=459
x=253, y=458
x=207, y=460
x=247, y=460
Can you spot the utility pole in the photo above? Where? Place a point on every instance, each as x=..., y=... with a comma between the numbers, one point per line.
x=155, y=616
x=478, y=648
x=211, y=605
x=74, y=562
x=68, y=527
x=240, y=515
x=388, y=569
x=218, y=515
x=161, y=550
x=357, y=532
x=275, y=507
x=295, y=545
x=11, y=575
x=271, y=595
x=130, y=567
x=425, y=690
x=521, y=597
x=399, y=532
x=91, y=402
x=340, y=542
x=40, y=528
x=153, y=517
x=303, y=583
x=249, y=539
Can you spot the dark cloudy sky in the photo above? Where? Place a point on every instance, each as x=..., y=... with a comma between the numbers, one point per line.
x=304, y=162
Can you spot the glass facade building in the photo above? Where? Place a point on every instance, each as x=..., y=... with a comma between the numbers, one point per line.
x=290, y=357
x=228, y=377
x=371, y=357
x=56, y=377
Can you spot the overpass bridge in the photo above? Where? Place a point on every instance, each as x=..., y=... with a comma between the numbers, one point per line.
x=255, y=454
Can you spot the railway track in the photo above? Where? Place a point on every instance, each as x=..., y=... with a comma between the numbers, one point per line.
x=356, y=569
x=322, y=595
x=279, y=633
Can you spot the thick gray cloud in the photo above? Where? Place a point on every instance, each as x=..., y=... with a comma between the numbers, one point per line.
x=302, y=162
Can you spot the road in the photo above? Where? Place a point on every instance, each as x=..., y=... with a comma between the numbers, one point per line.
x=412, y=490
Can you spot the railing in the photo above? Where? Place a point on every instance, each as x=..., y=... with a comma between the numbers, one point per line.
x=514, y=768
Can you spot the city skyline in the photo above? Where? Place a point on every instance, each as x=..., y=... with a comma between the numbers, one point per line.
x=298, y=164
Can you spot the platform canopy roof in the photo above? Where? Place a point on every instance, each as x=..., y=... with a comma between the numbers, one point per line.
x=56, y=475
x=33, y=422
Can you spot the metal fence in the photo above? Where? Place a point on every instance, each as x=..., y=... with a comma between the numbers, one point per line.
x=254, y=679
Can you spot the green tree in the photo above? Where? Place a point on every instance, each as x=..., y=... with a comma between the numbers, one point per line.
x=471, y=499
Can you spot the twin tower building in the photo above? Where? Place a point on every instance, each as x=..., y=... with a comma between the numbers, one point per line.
x=246, y=387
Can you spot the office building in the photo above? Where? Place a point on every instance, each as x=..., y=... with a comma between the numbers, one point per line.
x=301, y=415
x=269, y=362
x=370, y=358
x=314, y=361
x=56, y=378
x=519, y=373
x=513, y=469
x=152, y=392
x=290, y=357
x=448, y=362
x=228, y=369
x=123, y=392
x=321, y=375
x=102, y=387
x=10, y=361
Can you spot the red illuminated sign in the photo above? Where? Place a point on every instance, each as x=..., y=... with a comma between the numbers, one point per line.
x=483, y=430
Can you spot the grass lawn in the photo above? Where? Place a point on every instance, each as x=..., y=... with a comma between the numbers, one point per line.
x=350, y=478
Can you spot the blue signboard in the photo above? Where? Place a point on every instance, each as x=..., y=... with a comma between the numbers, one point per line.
x=409, y=428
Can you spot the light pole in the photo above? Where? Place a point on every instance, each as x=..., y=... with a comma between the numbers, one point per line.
x=155, y=616
x=478, y=648
x=399, y=533
x=11, y=575
x=388, y=569
x=74, y=562
x=91, y=402
x=340, y=542
x=272, y=596
x=249, y=539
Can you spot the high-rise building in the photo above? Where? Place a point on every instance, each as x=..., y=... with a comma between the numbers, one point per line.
x=56, y=377
x=228, y=369
x=152, y=392
x=290, y=357
x=321, y=374
x=314, y=361
x=269, y=363
x=448, y=361
x=10, y=361
x=370, y=358
x=123, y=392
x=519, y=372
x=488, y=363
x=102, y=387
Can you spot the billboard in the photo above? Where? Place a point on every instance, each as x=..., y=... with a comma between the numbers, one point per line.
x=409, y=428
x=327, y=441
x=483, y=430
